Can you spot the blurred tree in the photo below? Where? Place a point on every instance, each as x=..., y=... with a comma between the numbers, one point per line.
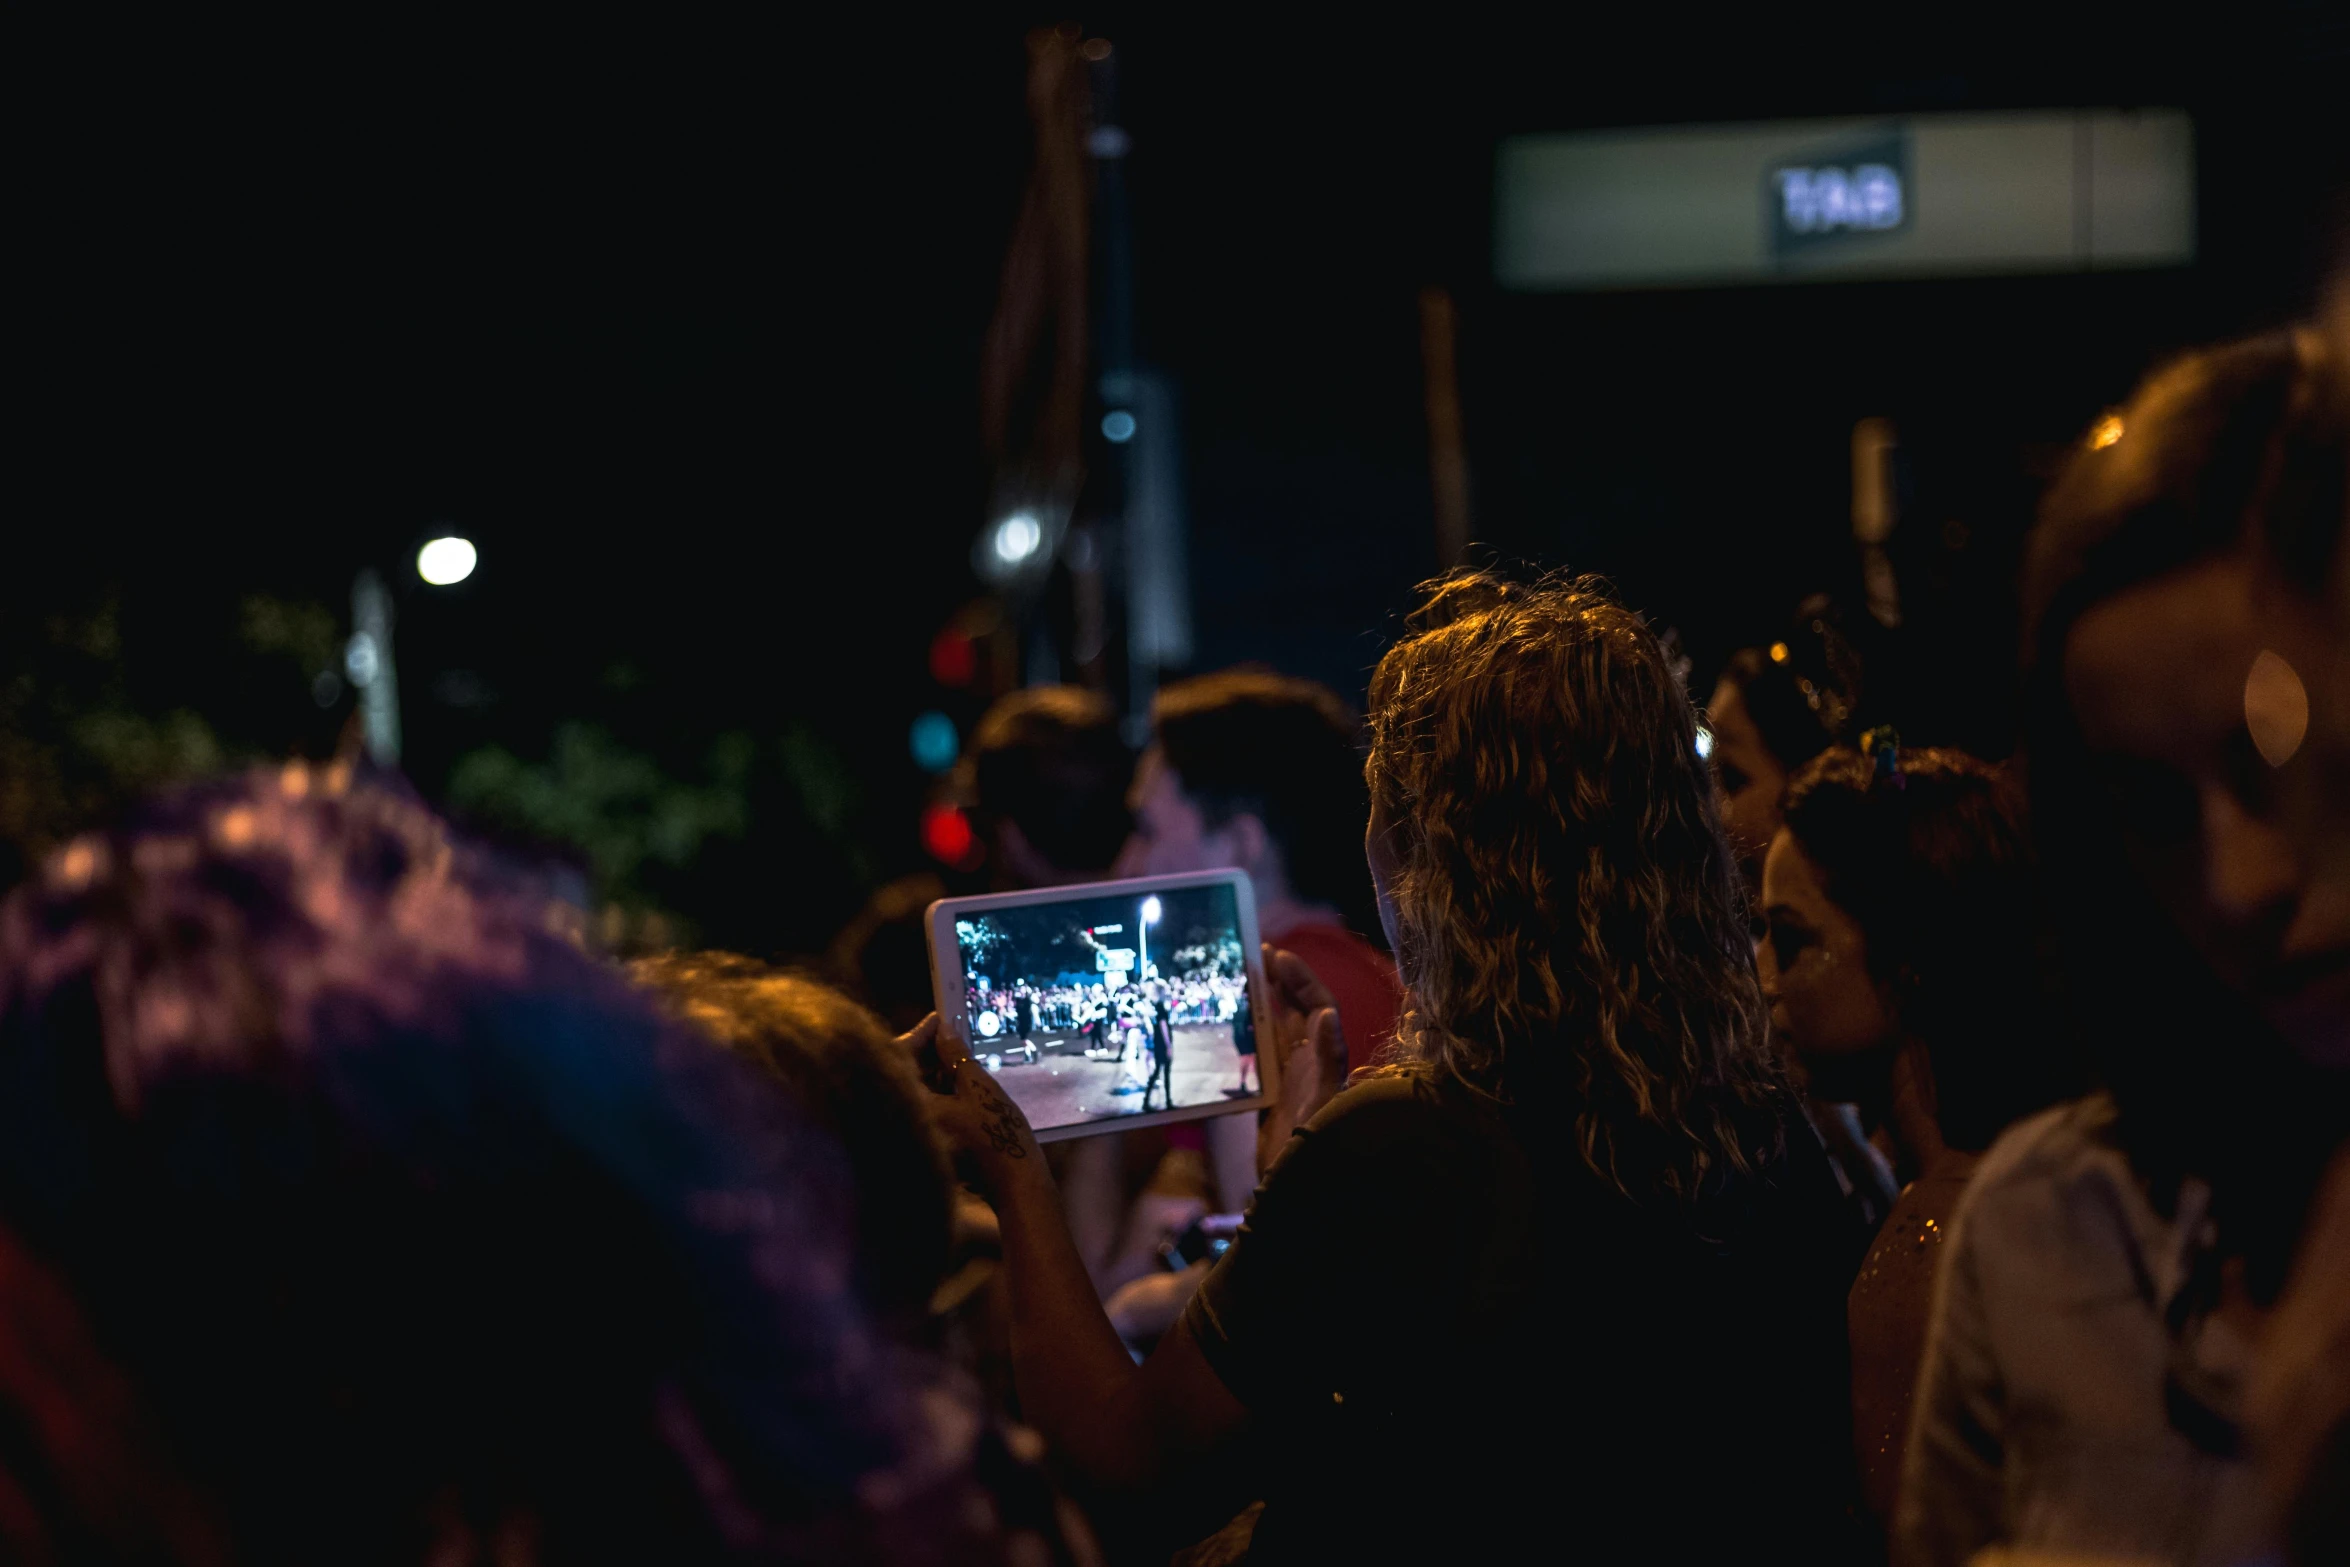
x=298, y=629
x=73, y=748
x=617, y=807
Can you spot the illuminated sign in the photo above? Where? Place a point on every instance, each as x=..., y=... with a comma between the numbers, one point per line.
x=1929, y=195
x=1838, y=193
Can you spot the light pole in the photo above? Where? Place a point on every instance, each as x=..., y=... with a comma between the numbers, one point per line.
x=367, y=661
x=1150, y=916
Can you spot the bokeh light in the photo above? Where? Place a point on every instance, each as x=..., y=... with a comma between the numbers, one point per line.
x=954, y=658
x=2276, y=708
x=361, y=659
x=1017, y=537
x=947, y=836
x=446, y=561
x=934, y=742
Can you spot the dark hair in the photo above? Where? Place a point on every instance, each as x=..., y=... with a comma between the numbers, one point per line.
x=846, y=1071
x=882, y=956
x=397, y=1205
x=1049, y=761
x=1935, y=865
x=1286, y=751
x=1804, y=690
x=1573, y=932
x=2242, y=444
x=2238, y=446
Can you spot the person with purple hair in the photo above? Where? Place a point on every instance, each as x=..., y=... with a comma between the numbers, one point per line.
x=386, y=1224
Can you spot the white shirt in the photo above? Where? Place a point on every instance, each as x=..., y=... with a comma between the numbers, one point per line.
x=2041, y=1420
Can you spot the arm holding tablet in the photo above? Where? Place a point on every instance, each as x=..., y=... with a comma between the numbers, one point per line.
x=1125, y=1426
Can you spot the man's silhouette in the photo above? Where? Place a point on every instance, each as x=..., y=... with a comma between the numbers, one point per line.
x=1162, y=1055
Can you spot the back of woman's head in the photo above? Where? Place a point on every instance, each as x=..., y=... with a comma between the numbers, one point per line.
x=841, y=1065
x=1571, y=927
x=1932, y=858
x=412, y=1221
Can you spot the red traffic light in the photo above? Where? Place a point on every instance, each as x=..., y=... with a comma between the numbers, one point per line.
x=947, y=836
x=954, y=658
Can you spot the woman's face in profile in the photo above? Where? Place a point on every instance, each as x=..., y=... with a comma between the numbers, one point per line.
x=1815, y=972
x=2195, y=726
x=1748, y=776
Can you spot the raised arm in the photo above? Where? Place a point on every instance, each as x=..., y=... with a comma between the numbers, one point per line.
x=1124, y=1426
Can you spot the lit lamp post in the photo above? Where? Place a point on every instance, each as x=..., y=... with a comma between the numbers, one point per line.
x=367, y=658
x=367, y=663
x=1150, y=916
x=445, y=562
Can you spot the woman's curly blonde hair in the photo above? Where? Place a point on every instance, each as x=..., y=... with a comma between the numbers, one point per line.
x=1570, y=927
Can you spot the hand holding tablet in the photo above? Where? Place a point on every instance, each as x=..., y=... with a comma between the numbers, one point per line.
x=974, y=1114
x=1309, y=1053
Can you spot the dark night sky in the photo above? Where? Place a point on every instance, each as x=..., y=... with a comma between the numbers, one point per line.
x=683, y=328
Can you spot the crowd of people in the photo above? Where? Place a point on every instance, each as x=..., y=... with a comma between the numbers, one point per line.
x=1698, y=1129
x=1029, y=1010
x=1130, y=1024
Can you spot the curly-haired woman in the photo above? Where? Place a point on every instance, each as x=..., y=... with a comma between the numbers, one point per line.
x=1565, y=1267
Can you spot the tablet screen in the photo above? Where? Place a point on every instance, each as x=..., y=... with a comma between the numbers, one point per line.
x=1105, y=1004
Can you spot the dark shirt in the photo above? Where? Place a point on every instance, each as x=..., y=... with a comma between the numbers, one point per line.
x=1457, y=1343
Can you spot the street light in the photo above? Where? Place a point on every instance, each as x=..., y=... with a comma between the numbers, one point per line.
x=1150, y=916
x=1018, y=537
x=447, y=561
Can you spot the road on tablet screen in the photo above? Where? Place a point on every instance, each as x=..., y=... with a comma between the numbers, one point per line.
x=1063, y=1087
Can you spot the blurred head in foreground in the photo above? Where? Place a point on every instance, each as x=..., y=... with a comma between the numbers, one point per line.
x=848, y=1074
x=416, y=1233
x=2178, y=597
x=1565, y=912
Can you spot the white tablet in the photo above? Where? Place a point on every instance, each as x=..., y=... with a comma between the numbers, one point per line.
x=1112, y=1004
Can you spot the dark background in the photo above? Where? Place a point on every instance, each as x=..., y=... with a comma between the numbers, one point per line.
x=683, y=329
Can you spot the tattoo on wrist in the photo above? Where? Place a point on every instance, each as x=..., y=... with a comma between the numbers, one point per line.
x=1004, y=1131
